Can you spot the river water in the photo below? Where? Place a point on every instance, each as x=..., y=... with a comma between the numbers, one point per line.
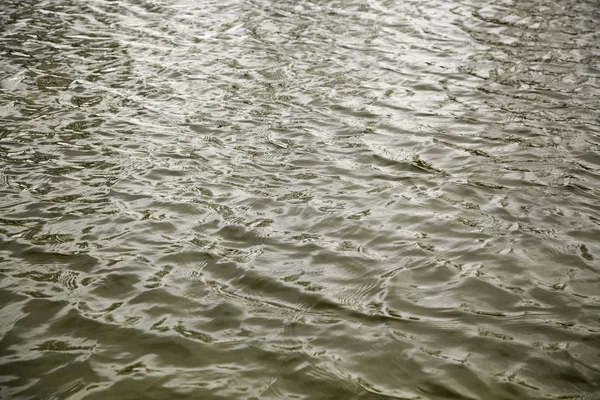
x=341, y=199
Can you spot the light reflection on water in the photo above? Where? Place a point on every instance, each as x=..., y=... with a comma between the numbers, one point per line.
x=313, y=199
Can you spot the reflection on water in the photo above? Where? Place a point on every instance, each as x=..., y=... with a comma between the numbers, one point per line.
x=314, y=199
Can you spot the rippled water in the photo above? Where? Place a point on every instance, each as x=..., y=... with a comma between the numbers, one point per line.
x=252, y=199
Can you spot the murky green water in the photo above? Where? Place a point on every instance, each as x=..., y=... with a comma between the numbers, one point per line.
x=252, y=199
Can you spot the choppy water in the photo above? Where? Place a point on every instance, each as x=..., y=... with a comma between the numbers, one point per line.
x=252, y=199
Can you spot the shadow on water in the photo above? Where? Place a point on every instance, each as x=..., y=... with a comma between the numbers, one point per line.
x=317, y=199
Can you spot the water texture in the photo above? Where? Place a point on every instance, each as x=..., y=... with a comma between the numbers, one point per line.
x=341, y=199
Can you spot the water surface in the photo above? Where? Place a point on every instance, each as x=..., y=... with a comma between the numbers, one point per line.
x=252, y=199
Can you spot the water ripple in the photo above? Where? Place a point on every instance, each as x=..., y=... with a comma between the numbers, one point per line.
x=357, y=199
